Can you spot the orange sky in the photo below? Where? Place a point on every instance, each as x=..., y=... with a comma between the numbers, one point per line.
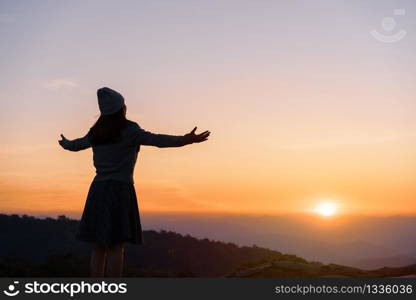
x=298, y=115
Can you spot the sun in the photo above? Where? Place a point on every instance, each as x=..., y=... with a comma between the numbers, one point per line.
x=326, y=209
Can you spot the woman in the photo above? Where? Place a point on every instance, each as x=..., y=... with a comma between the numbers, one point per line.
x=111, y=215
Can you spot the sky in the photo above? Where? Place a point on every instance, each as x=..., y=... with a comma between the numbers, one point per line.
x=304, y=103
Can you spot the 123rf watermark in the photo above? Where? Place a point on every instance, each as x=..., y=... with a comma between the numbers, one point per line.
x=71, y=289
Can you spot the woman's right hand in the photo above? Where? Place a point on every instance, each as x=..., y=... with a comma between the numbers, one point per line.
x=62, y=140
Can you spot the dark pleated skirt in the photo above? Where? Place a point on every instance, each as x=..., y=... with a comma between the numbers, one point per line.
x=111, y=214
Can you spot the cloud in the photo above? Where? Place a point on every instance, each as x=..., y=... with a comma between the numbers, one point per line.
x=352, y=141
x=14, y=149
x=60, y=83
x=7, y=18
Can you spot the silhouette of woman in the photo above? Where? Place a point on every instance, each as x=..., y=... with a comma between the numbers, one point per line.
x=111, y=215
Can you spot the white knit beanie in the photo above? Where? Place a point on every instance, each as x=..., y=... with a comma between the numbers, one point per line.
x=109, y=101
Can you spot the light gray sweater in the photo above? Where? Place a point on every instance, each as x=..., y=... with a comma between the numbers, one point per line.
x=117, y=160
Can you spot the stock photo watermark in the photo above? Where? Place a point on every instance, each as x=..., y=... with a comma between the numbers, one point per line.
x=70, y=289
x=388, y=25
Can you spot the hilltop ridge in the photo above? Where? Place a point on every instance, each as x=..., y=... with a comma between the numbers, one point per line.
x=47, y=247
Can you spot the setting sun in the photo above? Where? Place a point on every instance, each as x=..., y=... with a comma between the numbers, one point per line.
x=326, y=209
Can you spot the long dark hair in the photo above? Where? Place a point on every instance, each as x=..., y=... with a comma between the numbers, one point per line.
x=107, y=128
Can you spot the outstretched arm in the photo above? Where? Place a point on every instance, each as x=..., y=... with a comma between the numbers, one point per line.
x=75, y=145
x=143, y=137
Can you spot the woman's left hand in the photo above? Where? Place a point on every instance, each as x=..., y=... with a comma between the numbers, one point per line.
x=198, y=138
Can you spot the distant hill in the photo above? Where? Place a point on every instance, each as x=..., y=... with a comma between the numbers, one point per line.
x=391, y=261
x=279, y=268
x=47, y=247
x=351, y=240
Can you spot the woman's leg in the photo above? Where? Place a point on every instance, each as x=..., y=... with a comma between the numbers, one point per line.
x=115, y=260
x=97, y=263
